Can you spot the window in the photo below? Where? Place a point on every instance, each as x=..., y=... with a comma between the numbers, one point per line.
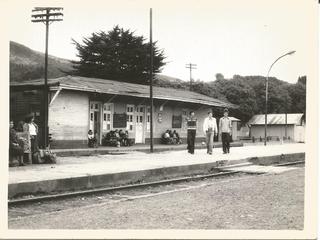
x=96, y=106
x=130, y=109
x=129, y=118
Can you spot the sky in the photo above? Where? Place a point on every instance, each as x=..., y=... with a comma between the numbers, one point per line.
x=229, y=37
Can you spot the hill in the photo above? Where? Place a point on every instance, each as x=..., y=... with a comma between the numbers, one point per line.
x=26, y=63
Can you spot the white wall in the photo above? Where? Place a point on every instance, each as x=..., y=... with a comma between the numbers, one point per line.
x=257, y=131
x=69, y=116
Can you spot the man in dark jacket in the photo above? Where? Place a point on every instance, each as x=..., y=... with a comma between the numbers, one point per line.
x=192, y=129
x=15, y=150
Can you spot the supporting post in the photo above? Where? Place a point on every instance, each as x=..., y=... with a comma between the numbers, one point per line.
x=151, y=82
x=55, y=95
x=266, y=112
x=45, y=90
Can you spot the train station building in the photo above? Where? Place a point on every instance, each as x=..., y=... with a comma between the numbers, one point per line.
x=77, y=104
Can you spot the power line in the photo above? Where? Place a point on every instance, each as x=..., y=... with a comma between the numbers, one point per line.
x=46, y=15
x=191, y=66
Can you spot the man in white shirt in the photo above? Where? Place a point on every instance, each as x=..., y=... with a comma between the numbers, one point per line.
x=225, y=128
x=210, y=130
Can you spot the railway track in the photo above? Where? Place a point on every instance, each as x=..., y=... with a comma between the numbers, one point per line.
x=223, y=172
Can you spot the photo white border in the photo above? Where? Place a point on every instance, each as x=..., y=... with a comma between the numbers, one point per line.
x=311, y=166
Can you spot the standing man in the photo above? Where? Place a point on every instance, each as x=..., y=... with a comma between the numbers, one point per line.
x=192, y=128
x=210, y=130
x=225, y=127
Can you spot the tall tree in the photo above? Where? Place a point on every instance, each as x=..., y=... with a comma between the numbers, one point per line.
x=219, y=76
x=117, y=55
x=297, y=93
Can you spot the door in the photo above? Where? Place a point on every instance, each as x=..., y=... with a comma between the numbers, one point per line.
x=95, y=119
x=139, y=124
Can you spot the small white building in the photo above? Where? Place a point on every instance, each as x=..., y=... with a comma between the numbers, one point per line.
x=277, y=125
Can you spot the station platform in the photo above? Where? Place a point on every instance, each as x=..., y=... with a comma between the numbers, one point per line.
x=72, y=173
x=101, y=150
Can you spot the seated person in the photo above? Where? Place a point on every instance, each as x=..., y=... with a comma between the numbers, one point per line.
x=116, y=134
x=128, y=142
x=124, y=136
x=171, y=137
x=166, y=137
x=116, y=138
x=176, y=138
x=91, y=139
x=121, y=135
x=15, y=150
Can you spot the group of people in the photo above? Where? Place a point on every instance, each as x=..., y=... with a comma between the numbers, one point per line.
x=210, y=130
x=23, y=142
x=117, y=138
x=171, y=137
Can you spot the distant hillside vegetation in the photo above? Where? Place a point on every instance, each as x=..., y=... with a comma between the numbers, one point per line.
x=248, y=92
x=26, y=64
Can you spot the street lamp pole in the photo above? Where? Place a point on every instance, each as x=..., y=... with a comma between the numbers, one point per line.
x=266, y=100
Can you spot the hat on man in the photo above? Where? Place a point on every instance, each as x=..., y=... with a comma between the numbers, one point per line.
x=28, y=117
x=226, y=110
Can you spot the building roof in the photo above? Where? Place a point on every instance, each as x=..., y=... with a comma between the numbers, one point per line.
x=234, y=119
x=277, y=119
x=125, y=89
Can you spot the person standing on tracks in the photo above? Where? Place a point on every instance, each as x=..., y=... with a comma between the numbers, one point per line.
x=225, y=127
x=192, y=129
x=210, y=130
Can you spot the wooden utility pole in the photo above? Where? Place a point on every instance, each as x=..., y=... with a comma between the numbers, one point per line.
x=191, y=66
x=46, y=15
x=151, y=82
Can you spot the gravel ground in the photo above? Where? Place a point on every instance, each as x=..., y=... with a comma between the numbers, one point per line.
x=269, y=201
